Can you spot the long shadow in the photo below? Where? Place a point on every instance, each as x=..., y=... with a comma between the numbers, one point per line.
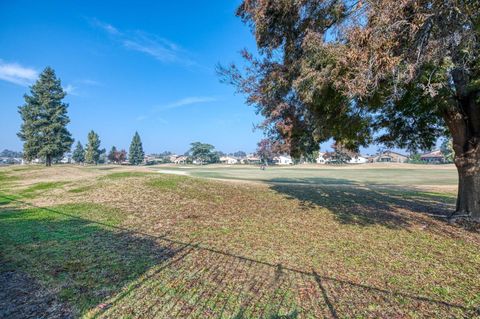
x=90, y=262
x=353, y=203
x=94, y=261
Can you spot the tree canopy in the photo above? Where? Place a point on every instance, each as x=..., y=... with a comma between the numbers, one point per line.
x=398, y=72
x=44, y=115
x=203, y=153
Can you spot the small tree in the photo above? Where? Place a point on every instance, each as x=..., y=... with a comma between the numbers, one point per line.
x=92, y=153
x=44, y=128
x=79, y=153
x=136, y=154
x=102, y=158
x=120, y=156
x=112, y=155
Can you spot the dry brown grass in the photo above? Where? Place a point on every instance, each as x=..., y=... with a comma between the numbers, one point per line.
x=368, y=243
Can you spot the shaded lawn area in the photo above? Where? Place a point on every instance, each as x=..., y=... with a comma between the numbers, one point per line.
x=149, y=245
x=83, y=261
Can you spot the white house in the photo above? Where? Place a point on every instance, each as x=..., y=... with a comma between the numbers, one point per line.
x=66, y=159
x=180, y=160
x=358, y=159
x=228, y=160
x=283, y=160
x=321, y=159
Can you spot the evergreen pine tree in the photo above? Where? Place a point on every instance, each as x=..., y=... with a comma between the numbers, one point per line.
x=44, y=128
x=136, y=153
x=79, y=153
x=92, y=152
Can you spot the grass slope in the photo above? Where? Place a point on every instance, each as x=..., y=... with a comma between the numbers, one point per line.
x=110, y=243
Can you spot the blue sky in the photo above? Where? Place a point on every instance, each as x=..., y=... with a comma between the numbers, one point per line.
x=127, y=66
x=146, y=66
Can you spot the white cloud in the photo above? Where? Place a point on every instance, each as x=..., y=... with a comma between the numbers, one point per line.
x=105, y=26
x=70, y=89
x=17, y=74
x=188, y=101
x=159, y=48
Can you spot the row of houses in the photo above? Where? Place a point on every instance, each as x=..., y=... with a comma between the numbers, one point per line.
x=434, y=157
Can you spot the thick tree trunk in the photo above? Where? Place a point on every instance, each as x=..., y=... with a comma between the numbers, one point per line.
x=48, y=161
x=468, y=200
x=463, y=120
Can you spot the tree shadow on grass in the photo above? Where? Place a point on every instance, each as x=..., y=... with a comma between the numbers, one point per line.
x=84, y=262
x=353, y=203
x=131, y=274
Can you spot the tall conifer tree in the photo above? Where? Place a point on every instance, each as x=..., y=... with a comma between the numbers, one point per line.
x=136, y=153
x=44, y=115
x=92, y=152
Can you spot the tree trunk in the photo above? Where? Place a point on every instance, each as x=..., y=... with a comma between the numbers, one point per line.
x=463, y=121
x=48, y=161
x=468, y=200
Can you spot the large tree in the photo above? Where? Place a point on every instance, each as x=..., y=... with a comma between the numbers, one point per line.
x=398, y=72
x=44, y=115
x=136, y=154
x=203, y=153
x=92, y=151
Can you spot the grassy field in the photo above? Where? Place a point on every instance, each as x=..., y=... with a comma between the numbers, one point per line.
x=120, y=242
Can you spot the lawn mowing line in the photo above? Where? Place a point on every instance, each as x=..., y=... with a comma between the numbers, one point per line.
x=230, y=270
x=201, y=270
x=138, y=284
x=197, y=288
x=406, y=295
x=215, y=277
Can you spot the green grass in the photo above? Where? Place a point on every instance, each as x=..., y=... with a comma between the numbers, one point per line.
x=40, y=188
x=325, y=175
x=313, y=244
x=121, y=175
x=81, y=189
x=162, y=182
x=88, y=261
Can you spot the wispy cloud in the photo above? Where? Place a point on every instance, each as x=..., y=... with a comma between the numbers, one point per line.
x=105, y=26
x=17, y=74
x=152, y=45
x=70, y=89
x=188, y=101
x=176, y=104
